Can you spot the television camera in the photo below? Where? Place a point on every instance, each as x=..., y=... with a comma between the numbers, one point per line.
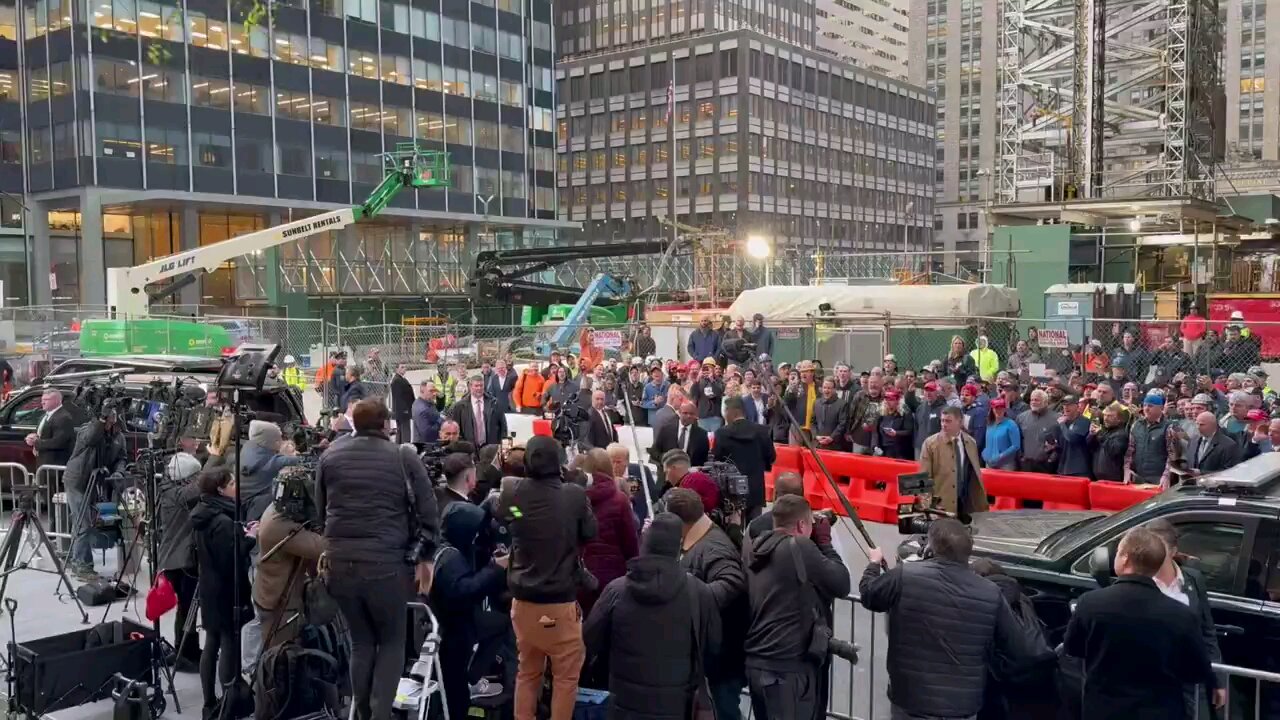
x=432, y=456
x=731, y=484
x=738, y=350
x=915, y=517
x=568, y=418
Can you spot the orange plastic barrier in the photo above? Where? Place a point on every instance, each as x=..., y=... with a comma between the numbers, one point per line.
x=873, y=483
x=542, y=426
x=1107, y=495
x=1055, y=491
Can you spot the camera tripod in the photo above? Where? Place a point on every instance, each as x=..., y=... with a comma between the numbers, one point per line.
x=25, y=528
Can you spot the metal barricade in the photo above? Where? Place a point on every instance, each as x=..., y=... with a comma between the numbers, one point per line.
x=852, y=689
x=1252, y=694
x=12, y=473
x=55, y=513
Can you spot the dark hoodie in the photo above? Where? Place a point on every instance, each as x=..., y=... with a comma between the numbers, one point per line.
x=549, y=521
x=217, y=533
x=751, y=449
x=782, y=614
x=653, y=629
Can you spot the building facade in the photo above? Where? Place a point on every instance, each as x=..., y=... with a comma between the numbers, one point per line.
x=138, y=128
x=871, y=34
x=742, y=132
x=958, y=63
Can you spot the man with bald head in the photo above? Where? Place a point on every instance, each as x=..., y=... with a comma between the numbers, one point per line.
x=1213, y=449
x=600, y=431
x=684, y=434
x=1038, y=424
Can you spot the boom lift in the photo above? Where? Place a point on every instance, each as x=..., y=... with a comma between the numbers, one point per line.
x=406, y=166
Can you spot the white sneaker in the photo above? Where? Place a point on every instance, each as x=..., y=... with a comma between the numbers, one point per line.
x=484, y=689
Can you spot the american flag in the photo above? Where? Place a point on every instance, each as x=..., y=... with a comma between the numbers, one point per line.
x=671, y=99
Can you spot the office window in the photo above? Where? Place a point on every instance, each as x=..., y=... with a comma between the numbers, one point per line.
x=293, y=105
x=427, y=75
x=114, y=76
x=511, y=93
x=329, y=111
x=486, y=134
x=295, y=160
x=457, y=81
x=163, y=84
x=254, y=155
x=455, y=32
x=212, y=149
x=484, y=39
x=486, y=87
x=115, y=140
x=598, y=160
x=248, y=98
x=430, y=125
x=457, y=130
x=510, y=45
x=331, y=163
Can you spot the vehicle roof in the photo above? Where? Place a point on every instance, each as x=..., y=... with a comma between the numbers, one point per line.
x=1258, y=475
x=145, y=378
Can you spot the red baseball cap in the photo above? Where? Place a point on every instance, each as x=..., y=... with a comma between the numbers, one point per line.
x=971, y=389
x=931, y=386
x=999, y=403
x=892, y=395
x=1256, y=415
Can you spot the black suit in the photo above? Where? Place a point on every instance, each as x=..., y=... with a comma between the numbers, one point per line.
x=500, y=390
x=751, y=449
x=57, y=437
x=495, y=423
x=1223, y=452
x=1140, y=648
x=668, y=438
x=600, y=430
x=402, y=407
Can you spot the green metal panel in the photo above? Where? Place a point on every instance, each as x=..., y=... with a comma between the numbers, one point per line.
x=152, y=337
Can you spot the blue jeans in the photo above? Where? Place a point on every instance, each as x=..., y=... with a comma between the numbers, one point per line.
x=710, y=424
x=81, y=553
x=726, y=695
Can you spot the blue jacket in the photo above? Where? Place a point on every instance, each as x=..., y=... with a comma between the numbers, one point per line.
x=652, y=392
x=426, y=421
x=1004, y=442
x=977, y=415
x=259, y=467
x=703, y=344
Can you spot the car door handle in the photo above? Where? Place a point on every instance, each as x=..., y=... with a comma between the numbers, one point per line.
x=1229, y=629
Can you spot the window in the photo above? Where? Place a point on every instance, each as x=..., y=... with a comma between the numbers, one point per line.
x=212, y=150
x=486, y=134
x=395, y=69
x=962, y=221
x=457, y=130
x=937, y=221
x=253, y=155
x=486, y=87
x=457, y=81
x=455, y=32
x=510, y=46
x=511, y=93
x=484, y=39
x=248, y=98
x=973, y=221
x=430, y=125
x=331, y=163
x=293, y=105
x=163, y=84
x=295, y=160
x=427, y=75
x=116, y=76
x=329, y=111
x=1217, y=546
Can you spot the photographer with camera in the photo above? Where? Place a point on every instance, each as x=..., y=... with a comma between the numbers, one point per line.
x=261, y=459
x=178, y=492
x=793, y=575
x=290, y=548
x=708, y=554
x=98, y=459
x=947, y=626
x=380, y=523
x=748, y=446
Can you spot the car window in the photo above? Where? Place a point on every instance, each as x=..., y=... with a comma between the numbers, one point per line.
x=75, y=366
x=27, y=412
x=1214, y=549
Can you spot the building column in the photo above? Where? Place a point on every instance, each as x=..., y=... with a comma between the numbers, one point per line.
x=189, y=239
x=37, y=224
x=91, y=251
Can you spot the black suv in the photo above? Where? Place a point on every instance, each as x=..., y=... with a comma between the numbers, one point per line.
x=1229, y=525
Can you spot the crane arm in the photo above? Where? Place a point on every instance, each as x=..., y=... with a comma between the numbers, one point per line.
x=602, y=286
x=127, y=291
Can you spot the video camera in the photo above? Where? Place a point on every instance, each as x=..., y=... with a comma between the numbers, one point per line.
x=731, y=484
x=432, y=456
x=915, y=517
x=569, y=417
x=738, y=350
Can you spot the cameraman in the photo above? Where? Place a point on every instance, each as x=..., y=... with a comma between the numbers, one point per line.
x=748, y=446
x=947, y=626
x=363, y=490
x=290, y=549
x=460, y=481
x=99, y=453
x=782, y=643
x=177, y=559
x=261, y=459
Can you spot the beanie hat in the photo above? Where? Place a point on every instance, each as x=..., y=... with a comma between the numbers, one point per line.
x=182, y=466
x=542, y=457
x=663, y=536
x=264, y=434
x=702, y=484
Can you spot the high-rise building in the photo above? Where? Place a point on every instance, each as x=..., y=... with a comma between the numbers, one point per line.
x=871, y=34
x=957, y=60
x=683, y=112
x=138, y=128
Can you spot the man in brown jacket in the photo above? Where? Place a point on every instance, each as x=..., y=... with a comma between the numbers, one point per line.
x=951, y=460
x=288, y=548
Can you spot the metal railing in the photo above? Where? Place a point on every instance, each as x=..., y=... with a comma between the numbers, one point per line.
x=1246, y=696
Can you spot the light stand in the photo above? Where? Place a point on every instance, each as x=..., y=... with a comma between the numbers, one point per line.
x=635, y=444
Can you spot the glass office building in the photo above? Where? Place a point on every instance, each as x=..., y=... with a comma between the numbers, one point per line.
x=748, y=133
x=138, y=128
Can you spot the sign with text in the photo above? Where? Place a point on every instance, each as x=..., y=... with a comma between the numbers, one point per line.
x=1068, y=307
x=1050, y=338
x=607, y=339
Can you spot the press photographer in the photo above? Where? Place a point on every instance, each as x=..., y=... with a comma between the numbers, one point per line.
x=289, y=547
x=177, y=493
x=261, y=460
x=380, y=522
x=96, y=466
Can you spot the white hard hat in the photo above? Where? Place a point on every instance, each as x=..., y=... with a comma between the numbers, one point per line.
x=1237, y=315
x=289, y=360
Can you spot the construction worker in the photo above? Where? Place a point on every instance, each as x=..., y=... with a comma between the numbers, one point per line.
x=292, y=374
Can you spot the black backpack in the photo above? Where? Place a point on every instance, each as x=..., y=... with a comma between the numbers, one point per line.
x=294, y=682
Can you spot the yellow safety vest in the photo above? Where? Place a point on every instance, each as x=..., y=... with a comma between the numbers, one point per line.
x=293, y=378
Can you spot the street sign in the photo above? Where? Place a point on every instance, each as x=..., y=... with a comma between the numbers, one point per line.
x=607, y=339
x=1053, y=338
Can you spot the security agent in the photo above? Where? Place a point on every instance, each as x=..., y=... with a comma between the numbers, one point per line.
x=789, y=578
x=99, y=450
x=947, y=626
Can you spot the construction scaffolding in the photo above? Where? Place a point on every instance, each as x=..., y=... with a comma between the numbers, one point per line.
x=1108, y=100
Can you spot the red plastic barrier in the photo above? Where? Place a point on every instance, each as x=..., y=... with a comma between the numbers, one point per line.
x=1055, y=491
x=1107, y=495
x=542, y=426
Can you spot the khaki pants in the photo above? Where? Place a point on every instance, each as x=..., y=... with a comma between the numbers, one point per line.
x=547, y=632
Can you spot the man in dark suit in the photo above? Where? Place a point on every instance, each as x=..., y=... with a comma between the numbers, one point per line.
x=669, y=414
x=600, y=430
x=55, y=436
x=1140, y=647
x=402, y=404
x=750, y=448
x=479, y=421
x=499, y=385
x=1212, y=449
x=686, y=435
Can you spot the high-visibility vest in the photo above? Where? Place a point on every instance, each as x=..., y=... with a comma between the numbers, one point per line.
x=293, y=378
